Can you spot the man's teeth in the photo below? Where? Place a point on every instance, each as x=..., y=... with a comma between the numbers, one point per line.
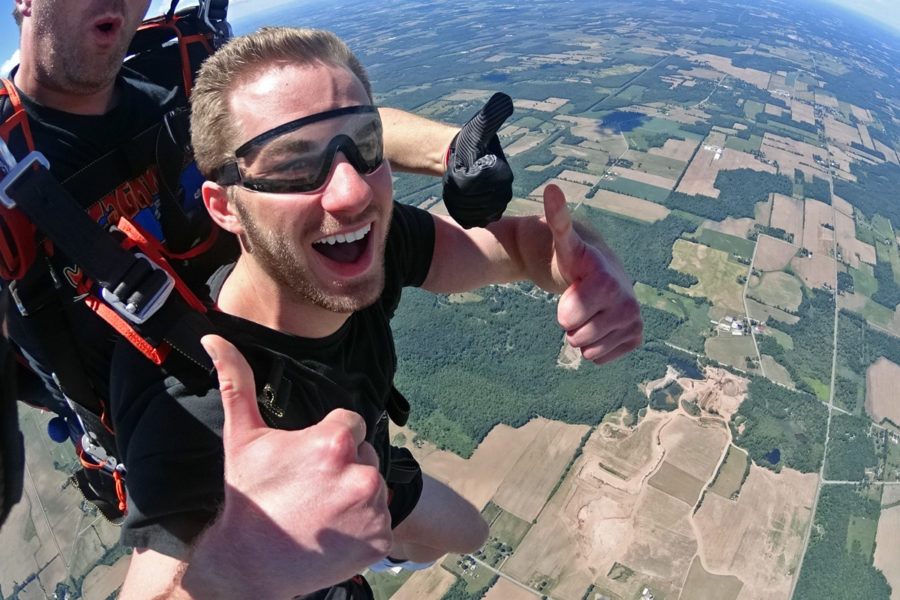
x=352, y=236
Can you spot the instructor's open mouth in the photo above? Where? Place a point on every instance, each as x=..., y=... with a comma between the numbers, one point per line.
x=344, y=247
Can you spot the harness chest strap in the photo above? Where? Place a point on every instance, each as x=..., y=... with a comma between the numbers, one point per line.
x=17, y=249
x=135, y=286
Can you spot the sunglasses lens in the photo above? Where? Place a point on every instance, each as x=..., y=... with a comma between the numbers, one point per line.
x=299, y=159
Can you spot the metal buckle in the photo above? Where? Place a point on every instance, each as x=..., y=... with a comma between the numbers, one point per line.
x=11, y=170
x=130, y=311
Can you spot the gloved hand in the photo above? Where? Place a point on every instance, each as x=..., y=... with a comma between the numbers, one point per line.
x=478, y=180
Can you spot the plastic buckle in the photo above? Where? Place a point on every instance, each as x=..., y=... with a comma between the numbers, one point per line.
x=11, y=170
x=130, y=311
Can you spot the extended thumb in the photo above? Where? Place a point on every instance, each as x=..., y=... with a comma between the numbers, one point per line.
x=473, y=139
x=566, y=242
x=236, y=385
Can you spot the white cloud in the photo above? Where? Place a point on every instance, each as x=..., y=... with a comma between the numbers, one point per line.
x=10, y=63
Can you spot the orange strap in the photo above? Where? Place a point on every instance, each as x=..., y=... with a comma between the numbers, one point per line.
x=17, y=250
x=87, y=463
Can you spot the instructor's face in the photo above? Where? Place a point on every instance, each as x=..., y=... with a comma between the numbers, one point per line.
x=79, y=44
x=324, y=247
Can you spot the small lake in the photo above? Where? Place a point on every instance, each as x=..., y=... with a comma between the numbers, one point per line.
x=688, y=368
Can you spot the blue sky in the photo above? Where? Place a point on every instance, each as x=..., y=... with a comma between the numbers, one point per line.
x=886, y=11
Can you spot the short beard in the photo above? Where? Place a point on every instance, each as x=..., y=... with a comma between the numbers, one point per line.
x=73, y=72
x=278, y=260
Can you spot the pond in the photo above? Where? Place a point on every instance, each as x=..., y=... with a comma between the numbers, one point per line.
x=688, y=368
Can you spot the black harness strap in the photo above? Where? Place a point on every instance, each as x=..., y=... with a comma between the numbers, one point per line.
x=134, y=286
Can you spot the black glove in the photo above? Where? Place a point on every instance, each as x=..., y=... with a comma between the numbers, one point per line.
x=478, y=180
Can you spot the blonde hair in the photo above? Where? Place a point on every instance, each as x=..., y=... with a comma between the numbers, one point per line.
x=213, y=130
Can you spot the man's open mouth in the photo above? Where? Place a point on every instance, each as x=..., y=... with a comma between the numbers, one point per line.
x=344, y=247
x=108, y=26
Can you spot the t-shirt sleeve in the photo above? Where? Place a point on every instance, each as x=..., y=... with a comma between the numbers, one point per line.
x=408, y=253
x=169, y=438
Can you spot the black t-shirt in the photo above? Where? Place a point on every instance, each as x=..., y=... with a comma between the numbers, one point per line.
x=71, y=142
x=169, y=425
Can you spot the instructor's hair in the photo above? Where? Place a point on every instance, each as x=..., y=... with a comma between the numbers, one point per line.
x=213, y=131
x=17, y=15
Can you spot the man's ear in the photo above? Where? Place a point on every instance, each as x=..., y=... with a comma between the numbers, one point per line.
x=220, y=208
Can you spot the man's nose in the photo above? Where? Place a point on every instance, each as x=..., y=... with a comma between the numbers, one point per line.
x=347, y=190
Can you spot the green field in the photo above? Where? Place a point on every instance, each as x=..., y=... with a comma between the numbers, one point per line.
x=861, y=535
x=776, y=371
x=673, y=129
x=777, y=289
x=638, y=189
x=691, y=333
x=730, y=477
x=822, y=390
x=718, y=277
x=385, y=585
x=781, y=337
x=877, y=314
x=882, y=226
x=763, y=313
x=475, y=576
x=792, y=132
x=731, y=350
x=753, y=108
x=727, y=243
x=632, y=93
x=891, y=461
x=656, y=164
x=741, y=145
x=863, y=279
x=509, y=528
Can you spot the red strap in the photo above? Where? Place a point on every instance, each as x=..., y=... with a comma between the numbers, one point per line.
x=184, y=41
x=120, y=492
x=17, y=250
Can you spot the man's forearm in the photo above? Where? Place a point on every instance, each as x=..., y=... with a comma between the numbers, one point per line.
x=414, y=144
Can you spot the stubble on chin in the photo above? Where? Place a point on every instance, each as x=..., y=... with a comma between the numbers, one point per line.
x=280, y=261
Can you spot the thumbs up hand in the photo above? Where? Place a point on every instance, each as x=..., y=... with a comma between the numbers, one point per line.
x=312, y=501
x=598, y=310
x=478, y=179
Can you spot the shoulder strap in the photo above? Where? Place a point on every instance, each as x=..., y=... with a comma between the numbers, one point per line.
x=17, y=248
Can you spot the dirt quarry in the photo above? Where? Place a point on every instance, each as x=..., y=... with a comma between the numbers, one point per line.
x=633, y=509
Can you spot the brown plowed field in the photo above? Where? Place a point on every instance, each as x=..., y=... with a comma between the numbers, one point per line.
x=816, y=270
x=840, y=132
x=505, y=589
x=701, y=173
x=575, y=192
x=773, y=254
x=853, y=249
x=787, y=214
x=478, y=478
x=882, y=402
x=677, y=149
x=841, y=205
x=627, y=205
x=887, y=550
x=791, y=155
x=803, y=112
x=431, y=583
x=760, y=536
x=633, y=174
x=528, y=484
